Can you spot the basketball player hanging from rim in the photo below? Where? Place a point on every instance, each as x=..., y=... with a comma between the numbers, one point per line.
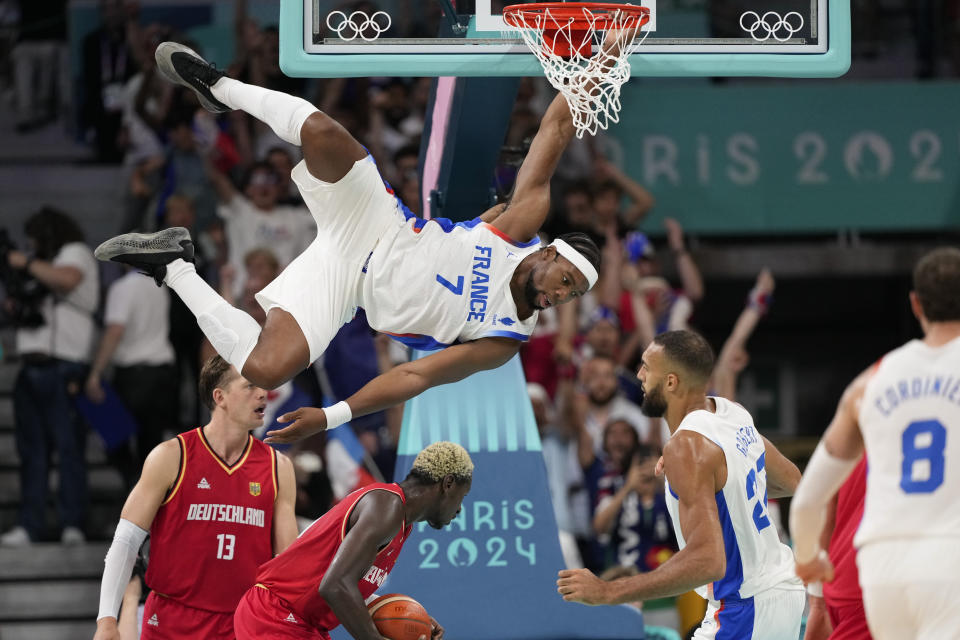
x=479, y=284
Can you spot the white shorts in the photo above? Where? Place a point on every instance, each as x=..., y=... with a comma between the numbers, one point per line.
x=908, y=588
x=321, y=287
x=773, y=614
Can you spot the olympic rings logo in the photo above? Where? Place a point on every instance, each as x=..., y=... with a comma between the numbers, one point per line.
x=359, y=24
x=771, y=24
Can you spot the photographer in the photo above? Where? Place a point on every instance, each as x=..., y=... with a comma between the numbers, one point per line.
x=54, y=357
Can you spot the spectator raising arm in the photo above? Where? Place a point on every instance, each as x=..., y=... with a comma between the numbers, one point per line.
x=641, y=200
x=226, y=192
x=609, y=507
x=149, y=88
x=733, y=356
x=645, y=330
x=686, y=267
x=611, y=264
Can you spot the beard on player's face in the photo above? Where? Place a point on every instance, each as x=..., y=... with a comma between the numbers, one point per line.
x=654, y=403
x=530, y=292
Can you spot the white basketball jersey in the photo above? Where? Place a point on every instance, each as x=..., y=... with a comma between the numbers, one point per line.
x=435, y=283
x=910, y=420
x=756, y=559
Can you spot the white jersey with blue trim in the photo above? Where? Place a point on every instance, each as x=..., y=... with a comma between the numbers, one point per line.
x=910, y=420
x=435, y=283
x=756, y=559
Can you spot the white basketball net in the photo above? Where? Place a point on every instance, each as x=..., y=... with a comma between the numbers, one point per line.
x=590, y=83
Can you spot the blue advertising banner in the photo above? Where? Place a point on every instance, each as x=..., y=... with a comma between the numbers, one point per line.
x=491, y=574
x=798, y=157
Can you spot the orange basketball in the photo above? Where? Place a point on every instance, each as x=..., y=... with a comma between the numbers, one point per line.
x=400, y=617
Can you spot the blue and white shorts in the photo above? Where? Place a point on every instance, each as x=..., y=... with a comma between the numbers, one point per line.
x=773, y=614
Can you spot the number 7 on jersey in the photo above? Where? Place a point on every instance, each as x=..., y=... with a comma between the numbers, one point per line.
x=456, y=288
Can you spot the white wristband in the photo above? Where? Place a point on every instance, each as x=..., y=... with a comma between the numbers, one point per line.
x=337, y=414
x=815, y=589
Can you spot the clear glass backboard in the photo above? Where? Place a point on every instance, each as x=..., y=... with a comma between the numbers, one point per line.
x=332, y=38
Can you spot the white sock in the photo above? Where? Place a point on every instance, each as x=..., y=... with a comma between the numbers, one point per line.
x=232, y=332
x=285, y=114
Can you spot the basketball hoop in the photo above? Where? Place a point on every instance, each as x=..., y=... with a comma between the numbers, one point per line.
x=563, y=34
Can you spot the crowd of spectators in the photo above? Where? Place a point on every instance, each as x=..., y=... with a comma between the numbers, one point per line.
x=227, y=179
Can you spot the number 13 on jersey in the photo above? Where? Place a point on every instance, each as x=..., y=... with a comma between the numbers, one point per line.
x=225, y=542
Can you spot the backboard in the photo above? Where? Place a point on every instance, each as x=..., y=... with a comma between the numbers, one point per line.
x=333, y=38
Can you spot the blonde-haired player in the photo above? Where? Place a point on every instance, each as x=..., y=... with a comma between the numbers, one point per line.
x=341, y=559
x=443, y=459
x=904, y=412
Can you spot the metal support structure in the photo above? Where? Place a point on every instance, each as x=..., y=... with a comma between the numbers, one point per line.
x=457, y=27
x=475, y=115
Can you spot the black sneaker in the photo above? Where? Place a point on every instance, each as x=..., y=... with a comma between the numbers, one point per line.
x=148, y=252
x=181, y=65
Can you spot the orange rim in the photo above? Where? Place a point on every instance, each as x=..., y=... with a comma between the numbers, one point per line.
x=525, y=15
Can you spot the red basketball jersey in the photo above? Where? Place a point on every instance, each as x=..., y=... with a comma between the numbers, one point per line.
x=846, y=583
x=295, y=575
x=216, y=526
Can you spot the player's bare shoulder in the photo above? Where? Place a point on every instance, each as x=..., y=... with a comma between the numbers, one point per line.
x=387, y=503
x=157, y=480
x=690, y=446
x=379, y=510
x=688, y=450
x=164, y=461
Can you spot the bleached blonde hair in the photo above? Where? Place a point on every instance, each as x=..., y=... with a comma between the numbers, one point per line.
x=442, y=459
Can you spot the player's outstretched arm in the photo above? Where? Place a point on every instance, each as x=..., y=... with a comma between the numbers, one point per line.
x=692, y=464
x=523, y=216
x=375, y=520
x=529, y=205
x=159, y=474
x=404, y=382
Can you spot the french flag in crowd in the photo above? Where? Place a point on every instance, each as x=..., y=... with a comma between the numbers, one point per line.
x=281, y=400
x=345, y=457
